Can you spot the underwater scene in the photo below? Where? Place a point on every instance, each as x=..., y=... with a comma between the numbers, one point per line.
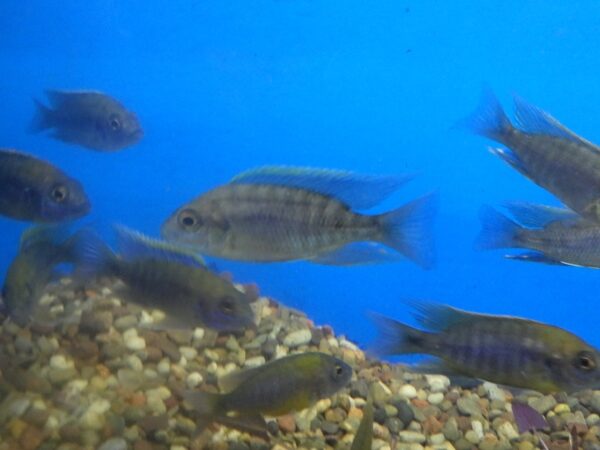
x=299, y=224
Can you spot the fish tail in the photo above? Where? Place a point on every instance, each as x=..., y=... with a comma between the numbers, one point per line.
x=93, y=256
x=498, y=231
x=408, y=230
x=43, y=118
x=488, y=119
x=397, y=338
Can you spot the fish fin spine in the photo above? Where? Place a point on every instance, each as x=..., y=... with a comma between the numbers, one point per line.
x=409, y=230
x=488, y=119
x=498, y=231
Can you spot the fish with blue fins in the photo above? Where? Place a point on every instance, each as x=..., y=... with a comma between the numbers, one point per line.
x=34, y=190
x=543, y=150
x=277, y=213
x=88, y=118
x=166, y=277
x=507, y=350
x=287, y=384
x=42, y=248
x=555, y=236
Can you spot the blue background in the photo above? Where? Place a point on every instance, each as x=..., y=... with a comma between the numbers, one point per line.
x=368, y=86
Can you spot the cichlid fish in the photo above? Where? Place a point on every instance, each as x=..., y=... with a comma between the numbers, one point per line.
x=363, y=440
x=502, y=349
x=41, y=250
x=558, y=236
x=281, y=386
x=32, y=189
x=87, y=118
x=545, y=151
x=294, y=213
x=162, y=276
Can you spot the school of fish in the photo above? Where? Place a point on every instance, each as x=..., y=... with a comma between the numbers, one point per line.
x=289, y=213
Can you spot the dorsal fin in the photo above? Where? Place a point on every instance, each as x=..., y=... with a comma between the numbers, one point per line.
x=532, y=119
x=356, y=190
x=133, y=244
x=538, y=216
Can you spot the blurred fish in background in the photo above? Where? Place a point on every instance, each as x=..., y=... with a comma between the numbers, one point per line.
x=87, y=118
x=34, y=190
x=278, y=213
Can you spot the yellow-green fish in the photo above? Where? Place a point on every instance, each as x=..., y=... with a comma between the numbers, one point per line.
x=42, y=249
x=363, y=440
x=88, y=118
x=34, y=190
x=163, y=276
x=507, y=350
x=555, y=236
x=294, y=213
x=281, y=386
x=545, y=151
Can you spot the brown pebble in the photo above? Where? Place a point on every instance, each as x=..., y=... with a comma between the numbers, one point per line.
x=431, y=425
x=31, y=438
x=154, y=354
x=151, y=424
x=419, y=403
x=143, y=445
x=287, y=423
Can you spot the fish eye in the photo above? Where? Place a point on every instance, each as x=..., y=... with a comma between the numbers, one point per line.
x=188, y=219
x=226, y=305
x=338, y=369
x=115, y=123
x=59, y=193
x=585, y=361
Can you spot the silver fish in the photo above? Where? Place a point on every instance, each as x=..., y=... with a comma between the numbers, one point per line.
x=291, y=213
x=545, y=151
x=558, y=235
x=87, y=118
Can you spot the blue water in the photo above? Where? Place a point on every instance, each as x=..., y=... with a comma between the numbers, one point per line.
x=373, y=87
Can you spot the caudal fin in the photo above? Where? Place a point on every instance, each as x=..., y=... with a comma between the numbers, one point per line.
x=409, y=230
x=497, y=231
x=396, y=338
x=488, y=119
x=42, y=119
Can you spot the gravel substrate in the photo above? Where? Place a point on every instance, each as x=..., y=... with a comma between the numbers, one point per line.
x=107, y=378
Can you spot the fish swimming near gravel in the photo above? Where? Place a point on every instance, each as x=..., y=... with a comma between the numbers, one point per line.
x=288, y=384
x=555, y=235
x=42, y=248
x=293, y=213
x=363, y=440
x=163, y=276
x=543, y=150
x=34, y=190
x=91, y=119
x=506, y=350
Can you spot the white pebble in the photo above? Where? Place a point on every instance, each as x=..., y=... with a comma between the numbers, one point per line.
x=437, y=383
x=494, y=392
x=146, y=318
x=75, y=387
x=436, y=439
x=60, y=362
x=508, y=431
x=477, y=427
x=158, y=315
x=297, y=338
x=436, y=398
x=164, y=366
x=194, y=379
x=135, y=363
x=130, y=333
x=198, y=334
x=188, y=353
x=52, y=423
x=161, y=392
x=408, y=391
x=255, y=361
x=133, y=341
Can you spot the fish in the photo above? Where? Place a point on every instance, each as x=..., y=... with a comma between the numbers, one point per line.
x=287, y=384
x=543, y=150
x=560, y=237
x=42, y=248
x=36, y=191
x=91, y=119
x=511, y=351
x=281, y=213
x=363, y=440
x=162, y=276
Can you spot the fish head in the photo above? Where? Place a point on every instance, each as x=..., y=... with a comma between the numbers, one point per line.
x=579, y=370
x=333, y=374
x=63, y=198
x=197, y=226
x=118, y=128
x=226, y=310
